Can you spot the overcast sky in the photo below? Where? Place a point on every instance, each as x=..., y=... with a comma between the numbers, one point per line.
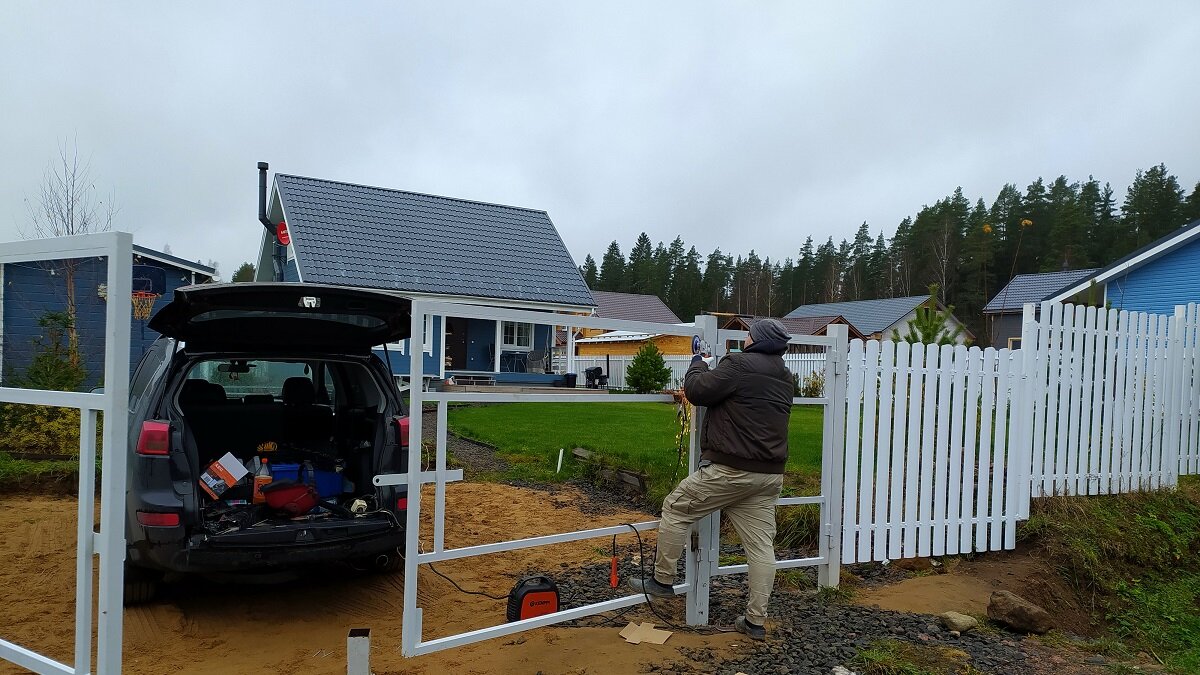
x=739, y=125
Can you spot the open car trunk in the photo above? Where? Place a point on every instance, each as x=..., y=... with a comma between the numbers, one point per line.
x=317, y=421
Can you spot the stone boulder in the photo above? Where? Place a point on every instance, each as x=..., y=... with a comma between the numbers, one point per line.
x=959, y=622
x=1018, y=613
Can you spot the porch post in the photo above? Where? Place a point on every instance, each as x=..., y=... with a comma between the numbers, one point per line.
x=570, y=349
x=496, y=351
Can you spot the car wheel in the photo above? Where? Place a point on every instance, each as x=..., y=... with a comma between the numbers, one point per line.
x=140, y=585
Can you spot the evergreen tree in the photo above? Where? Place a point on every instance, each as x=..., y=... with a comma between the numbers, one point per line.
x=931, y=326
x=1067, y=228
x=647, y=371
x=1153, y=206
x=612, y=270
x=588, y=271
x=640, y=276
x=687, y=292
x=245, y=272
x=718, y=274
x=802, y=276
x=1191, y=206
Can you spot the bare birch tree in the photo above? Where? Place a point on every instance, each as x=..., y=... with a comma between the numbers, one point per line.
x=67, y=205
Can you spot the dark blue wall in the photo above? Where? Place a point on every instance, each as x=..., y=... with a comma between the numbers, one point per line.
x=400, y=362
x=30, y=290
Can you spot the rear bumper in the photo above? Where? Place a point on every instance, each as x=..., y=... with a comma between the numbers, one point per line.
x=201, y=554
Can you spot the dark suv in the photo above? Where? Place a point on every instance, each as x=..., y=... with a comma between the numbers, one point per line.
x=282, y=372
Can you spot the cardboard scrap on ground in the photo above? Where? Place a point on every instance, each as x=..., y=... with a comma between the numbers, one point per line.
x=638, y=633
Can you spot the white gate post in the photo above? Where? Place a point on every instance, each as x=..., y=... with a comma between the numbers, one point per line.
x=411, y=619
x=833, y=436
x=115, y=456
x=700, y=559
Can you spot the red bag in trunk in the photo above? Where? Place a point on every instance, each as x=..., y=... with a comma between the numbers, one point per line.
x=294, y=499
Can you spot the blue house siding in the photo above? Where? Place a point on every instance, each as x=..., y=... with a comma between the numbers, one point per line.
x=30, y=291
x=400, y=362
x=481, y=341
x=1161, y=284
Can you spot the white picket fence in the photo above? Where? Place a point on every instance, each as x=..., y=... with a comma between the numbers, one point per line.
x=615, y=366
x=928, y=470
x=945, y=446
x=1114, y=398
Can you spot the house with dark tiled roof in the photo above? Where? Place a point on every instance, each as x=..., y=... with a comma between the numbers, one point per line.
x=807, y=325
x=430, y=247
x=876, y=319
x=1003, y=312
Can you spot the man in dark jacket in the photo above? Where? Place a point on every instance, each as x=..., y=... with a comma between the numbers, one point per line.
x=744, y=447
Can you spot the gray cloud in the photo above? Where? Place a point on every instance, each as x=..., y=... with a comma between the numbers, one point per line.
x=735, y=125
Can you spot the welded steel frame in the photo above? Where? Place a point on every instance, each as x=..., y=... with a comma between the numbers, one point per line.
x=109, y=542
x=699, y=563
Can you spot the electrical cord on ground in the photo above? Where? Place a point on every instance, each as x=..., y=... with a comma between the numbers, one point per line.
x=665, y=620
x=460, y=588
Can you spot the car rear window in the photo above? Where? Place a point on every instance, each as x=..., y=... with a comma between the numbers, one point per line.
x=261, y=378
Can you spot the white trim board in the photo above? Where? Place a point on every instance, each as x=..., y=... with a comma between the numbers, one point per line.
x=1104, y=276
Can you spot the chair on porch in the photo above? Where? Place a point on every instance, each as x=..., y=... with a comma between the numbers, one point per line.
x=535, y=361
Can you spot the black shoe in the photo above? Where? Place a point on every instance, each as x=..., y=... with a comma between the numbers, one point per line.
x=749, y=630
x=651, y=586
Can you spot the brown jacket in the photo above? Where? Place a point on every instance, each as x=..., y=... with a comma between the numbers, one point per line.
x=749, y=400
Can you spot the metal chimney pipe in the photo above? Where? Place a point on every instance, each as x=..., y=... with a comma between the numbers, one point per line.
x=262, y=198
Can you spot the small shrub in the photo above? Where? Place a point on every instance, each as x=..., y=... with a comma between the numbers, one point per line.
x=648, y=371
x=814, y=385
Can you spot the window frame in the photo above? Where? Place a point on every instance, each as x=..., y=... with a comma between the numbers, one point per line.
x=1014, y=343
x=516, y=345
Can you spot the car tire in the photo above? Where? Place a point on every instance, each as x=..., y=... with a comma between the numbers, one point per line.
x=141, y=586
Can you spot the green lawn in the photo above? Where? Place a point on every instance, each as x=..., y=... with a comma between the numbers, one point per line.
x=636, y=436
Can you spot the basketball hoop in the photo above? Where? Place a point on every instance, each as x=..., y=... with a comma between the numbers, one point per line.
x=143, y=304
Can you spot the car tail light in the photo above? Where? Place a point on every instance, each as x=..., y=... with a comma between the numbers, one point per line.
x=402, y=430
x=158, y=519
x=155, y=438
x=402, y=504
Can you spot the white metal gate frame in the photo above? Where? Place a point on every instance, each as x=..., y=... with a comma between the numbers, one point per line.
x=109, y=542
x=700, y=565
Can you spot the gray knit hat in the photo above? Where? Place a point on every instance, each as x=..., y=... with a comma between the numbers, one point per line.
x=768, y=329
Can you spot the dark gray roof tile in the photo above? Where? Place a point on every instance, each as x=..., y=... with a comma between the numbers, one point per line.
x=406, y=241
x=1025, y=288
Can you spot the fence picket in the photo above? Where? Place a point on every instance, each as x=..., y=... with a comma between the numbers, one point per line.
x=1016, y=489
x=898, y=496
x=1125, y=361
x=1000, y=458
x=1093, y=378
x=956, y=482
x=987, y=405
x=928, y=431
x=1062, y=405
x=1109, y=418
x=866, y=493
x=1075, y=467
x=854, y=387
x=970, y=471
x=884, y=469
x=1141, y=381
x=912, y=449
x=941, y=470
x=1156, y=393
x=1191, y=389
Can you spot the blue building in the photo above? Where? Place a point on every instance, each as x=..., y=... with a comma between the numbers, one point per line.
x=1154, y=278
x=433, y=248
x=30, y=290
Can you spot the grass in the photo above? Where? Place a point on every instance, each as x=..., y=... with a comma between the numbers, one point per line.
x=893, y=657
x=640, y=437
x=23, y=473
x=1137, y=557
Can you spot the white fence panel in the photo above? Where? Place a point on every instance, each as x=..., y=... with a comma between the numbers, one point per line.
x=926, y=464
x=802, y=365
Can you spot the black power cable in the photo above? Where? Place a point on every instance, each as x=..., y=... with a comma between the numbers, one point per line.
x=642, y=566
x=461, y=589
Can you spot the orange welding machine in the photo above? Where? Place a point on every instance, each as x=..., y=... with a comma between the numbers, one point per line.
x=532, y=596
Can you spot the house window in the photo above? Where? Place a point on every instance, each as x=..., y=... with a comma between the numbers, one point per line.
x=1014, y=343
x=427, y=337
x=514, y=335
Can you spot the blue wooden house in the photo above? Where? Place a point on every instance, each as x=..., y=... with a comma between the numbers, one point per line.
x=1154, y=278
x=29, y=290
x=435, y=248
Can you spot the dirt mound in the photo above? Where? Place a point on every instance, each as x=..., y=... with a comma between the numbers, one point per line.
x=201, y=626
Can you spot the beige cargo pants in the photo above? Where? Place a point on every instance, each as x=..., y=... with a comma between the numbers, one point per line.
x=748, y=499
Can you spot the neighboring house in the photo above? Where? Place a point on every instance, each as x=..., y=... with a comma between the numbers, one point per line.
x=630, y=307
x=809, y=325
x=1003, y=312
x=29, y=290
x=1154, y=278
x=435, y=248
x=627, y=343
x=876, y=319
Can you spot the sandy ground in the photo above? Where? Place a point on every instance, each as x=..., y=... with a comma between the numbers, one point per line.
x=201, y=626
